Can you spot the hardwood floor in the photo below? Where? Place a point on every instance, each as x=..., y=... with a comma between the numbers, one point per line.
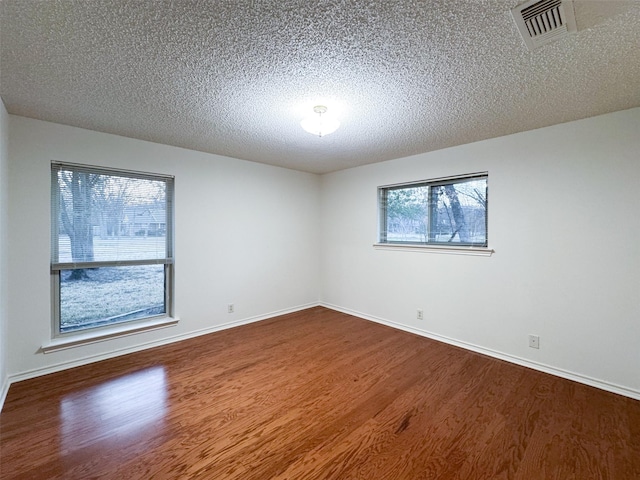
x=314, y=395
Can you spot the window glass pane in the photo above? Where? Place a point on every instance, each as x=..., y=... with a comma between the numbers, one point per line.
x=461, y=213
x=437, y=212
x=104, y=296
x=407, y=214
x=104, y=217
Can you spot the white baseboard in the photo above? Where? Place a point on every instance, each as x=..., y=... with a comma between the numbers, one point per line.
x=37, y=372
x=603, y=385
x=558, y=372
x=3, y=391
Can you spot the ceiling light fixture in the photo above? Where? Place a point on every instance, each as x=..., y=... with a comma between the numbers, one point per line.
x=320, y=124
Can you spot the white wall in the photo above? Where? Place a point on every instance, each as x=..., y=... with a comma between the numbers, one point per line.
x=564, y=223
x=4, y=278
x=246, y=234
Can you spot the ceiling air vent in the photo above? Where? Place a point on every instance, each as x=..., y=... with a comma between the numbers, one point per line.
x=544, y=21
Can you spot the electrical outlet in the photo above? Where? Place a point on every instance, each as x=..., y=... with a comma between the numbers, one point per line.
x=230, y=308
x=420, y=314
x=534, y=341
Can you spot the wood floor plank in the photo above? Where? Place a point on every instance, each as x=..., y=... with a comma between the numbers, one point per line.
x=314, y=395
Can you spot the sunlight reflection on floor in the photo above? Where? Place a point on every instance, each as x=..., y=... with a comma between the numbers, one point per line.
x=125, y=409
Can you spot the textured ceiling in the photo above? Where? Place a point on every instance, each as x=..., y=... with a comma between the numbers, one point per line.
x=236, y=77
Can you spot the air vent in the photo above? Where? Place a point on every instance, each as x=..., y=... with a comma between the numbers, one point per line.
x=544, y=21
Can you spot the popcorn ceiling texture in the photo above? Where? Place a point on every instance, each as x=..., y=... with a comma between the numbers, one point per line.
x=236, y=77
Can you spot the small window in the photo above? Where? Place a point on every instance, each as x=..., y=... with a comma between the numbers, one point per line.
x=450, y=211
x=111, y=247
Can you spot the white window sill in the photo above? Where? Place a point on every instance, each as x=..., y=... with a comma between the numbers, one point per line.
x=442, y=249
x=103, y=334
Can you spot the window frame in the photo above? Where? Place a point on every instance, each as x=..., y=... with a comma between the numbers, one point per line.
x=127, y=326
x=446, y=247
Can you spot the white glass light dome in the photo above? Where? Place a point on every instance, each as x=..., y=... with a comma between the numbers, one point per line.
x=320, y=124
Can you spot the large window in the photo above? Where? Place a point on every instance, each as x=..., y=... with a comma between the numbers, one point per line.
x=450, y=211
x=111, y=246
